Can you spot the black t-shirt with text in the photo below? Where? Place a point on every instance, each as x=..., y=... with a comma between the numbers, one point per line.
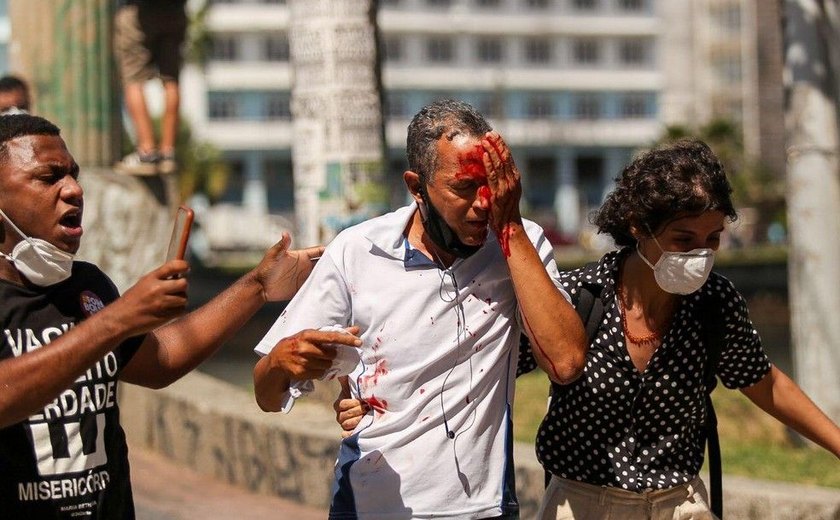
x=69, y=460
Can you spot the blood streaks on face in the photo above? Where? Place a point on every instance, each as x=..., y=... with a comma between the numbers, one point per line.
x=472, y=164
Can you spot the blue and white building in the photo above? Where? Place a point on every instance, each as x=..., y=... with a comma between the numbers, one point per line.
x=575, y=86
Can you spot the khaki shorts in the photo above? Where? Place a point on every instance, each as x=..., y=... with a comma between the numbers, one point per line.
x=572, y=500
x=147, y=43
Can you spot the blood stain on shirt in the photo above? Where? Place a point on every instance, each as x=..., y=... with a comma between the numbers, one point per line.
x=380, y=405
x=380, y=369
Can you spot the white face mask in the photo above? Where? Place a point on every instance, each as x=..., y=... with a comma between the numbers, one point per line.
x=37, y=260
x=681, y=273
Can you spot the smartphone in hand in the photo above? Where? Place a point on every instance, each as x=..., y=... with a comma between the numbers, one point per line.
x=180, y=234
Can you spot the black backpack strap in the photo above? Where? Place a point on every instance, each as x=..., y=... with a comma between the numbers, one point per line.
x=590, y=309
x=711, y=319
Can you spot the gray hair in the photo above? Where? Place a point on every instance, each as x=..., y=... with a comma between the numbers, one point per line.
x=445, y=118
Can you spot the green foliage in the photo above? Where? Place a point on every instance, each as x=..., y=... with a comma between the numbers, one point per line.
x=199, y=39
x=753, y=444
x=201, y=166
x=530, y=405
x=753, y=184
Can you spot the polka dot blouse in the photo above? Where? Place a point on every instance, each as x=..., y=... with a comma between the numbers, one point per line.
x=617, y=427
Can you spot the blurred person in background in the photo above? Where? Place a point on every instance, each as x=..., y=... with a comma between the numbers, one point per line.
x=148, y=40
x=14, y=95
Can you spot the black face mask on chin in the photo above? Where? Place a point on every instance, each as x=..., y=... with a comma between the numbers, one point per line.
x=440, y=232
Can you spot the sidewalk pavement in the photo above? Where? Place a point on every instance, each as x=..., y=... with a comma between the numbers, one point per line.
x=166, y=491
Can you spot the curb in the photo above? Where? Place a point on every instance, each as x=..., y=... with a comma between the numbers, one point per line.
x=217, y=429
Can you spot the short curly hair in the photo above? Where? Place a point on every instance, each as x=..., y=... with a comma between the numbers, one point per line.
x=19, y=125
x=672, y=180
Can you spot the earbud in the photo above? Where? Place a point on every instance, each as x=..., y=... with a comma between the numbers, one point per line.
x=424, y=213
x=449, y=433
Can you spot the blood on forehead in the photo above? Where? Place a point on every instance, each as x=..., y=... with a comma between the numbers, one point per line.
x=472, y=165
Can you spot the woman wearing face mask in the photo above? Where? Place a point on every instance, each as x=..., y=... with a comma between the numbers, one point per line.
x=626, y=440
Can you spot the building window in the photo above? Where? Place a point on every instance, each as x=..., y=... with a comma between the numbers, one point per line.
x=539, y=106
x=222, y=105
x=489, y=50
x=728, y=17
x=590, y=175
x=393, y=49
x=585, y=5
x=586, y=51
x=490, y=105
x=728, y=68
x=587, y=106
x=277, y=106
x=631, y=5
x=235, y=184
x=224, y=48
x=541, y=181
x=537, y=50
x=396, y=105
x=439, y=50
x=277, y=48
x=634, y=106
x=537, y=4
x=487, y=4
x=633, y=51
x=390, y=3
x=439, y=3
x=279, y=184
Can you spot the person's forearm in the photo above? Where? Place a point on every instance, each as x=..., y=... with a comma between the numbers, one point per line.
x=782, y=398
x=556, y=333
x=188, y=341
x=270, y=384
x=34, y=379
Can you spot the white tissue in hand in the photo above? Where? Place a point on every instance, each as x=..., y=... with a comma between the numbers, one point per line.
x=346, y=357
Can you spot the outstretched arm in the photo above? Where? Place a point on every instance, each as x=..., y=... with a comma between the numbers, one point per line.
x=32, y=380
x=781, y=397
x=551, y=323
x=173, y=350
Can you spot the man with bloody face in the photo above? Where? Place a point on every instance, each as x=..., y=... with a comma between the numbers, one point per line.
x=440, y=291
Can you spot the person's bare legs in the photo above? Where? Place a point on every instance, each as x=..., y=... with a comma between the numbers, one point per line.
x=169, y=126
x=135, y=103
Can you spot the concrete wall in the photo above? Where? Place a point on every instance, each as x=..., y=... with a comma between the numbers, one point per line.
x=217, y=429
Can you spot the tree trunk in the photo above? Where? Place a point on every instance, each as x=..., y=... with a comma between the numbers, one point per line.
x=814, y=197
x=337, y=117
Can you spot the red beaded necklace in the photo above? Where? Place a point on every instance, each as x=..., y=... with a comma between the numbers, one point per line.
x=650, y=339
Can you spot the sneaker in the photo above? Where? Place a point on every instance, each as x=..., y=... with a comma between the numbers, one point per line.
x=167, y=164
x=138, y=163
